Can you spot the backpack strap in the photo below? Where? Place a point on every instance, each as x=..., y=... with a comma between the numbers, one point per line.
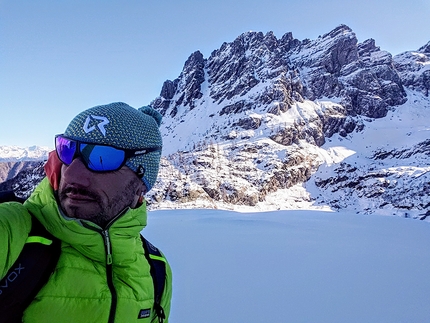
x=9, y=196
x=29, y=273
x=158, y=272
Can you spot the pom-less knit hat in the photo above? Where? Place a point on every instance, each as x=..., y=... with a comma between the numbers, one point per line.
x=119, y=125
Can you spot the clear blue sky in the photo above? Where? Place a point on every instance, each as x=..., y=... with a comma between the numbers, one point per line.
x=60, y=57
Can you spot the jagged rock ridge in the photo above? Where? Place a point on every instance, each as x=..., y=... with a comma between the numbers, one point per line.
x=361, y=77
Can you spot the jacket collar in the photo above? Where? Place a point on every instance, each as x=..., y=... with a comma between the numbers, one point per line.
x=81, y=234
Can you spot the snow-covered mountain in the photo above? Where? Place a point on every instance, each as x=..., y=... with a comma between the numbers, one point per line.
x=282, y=123
x=20, y=168
x=266, y=123
x=15, y=153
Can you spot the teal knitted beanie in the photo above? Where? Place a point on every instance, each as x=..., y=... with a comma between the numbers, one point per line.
x=119, y=125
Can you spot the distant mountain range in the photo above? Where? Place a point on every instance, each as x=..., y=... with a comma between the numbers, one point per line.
x=17, y=161
x=15, y=153
x=266, y=123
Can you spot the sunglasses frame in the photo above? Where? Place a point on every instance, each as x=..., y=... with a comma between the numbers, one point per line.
x=128, y=153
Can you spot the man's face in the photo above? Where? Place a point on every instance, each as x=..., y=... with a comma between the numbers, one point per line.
x=97, y=197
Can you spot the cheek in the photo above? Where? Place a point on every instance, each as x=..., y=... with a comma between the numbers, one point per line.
x=121, y=188
x=112, y=187
x=113, y=193
x=61, y=182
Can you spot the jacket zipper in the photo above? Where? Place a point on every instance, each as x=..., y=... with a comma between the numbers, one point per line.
x=109, y=275
x=109, y=271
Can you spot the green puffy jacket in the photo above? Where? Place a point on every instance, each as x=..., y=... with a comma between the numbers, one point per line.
x=78, y=290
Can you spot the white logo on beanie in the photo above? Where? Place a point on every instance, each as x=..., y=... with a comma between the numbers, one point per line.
x=101, y=125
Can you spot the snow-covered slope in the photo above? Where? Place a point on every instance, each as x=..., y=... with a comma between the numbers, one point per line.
x=386, y=167
x=294, y=266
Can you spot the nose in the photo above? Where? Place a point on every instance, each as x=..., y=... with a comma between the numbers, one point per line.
x=76, y=173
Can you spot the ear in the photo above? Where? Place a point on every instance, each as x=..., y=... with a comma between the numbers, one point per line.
x=143, y=191
x=140, y=195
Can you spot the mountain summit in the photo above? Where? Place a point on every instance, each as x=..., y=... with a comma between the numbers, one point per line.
x=266, y=123
x=258, y=74
x=257, y=122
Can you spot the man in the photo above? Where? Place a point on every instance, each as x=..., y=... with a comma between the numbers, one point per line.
x=92, y=200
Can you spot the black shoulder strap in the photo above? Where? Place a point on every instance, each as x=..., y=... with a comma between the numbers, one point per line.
x=158, y=272
x=9, y=196
x=29, y=273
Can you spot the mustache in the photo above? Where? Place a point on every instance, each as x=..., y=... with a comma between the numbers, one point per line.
x=80, y=191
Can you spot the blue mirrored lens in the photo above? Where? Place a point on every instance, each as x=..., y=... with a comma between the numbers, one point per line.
x=65, y=149
x=102, y=158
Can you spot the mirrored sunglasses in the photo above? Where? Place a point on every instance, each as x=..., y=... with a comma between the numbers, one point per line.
x=98, y=158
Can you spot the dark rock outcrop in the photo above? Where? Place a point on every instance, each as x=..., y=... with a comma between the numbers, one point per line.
x=26, y=180
x=413, y=68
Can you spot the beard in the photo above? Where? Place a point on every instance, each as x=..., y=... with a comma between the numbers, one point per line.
x=101, y=210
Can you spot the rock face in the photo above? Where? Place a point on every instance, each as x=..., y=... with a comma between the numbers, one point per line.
x=258, y=116
x=414, y=69
x=188, y=85
x=404, y=186
x=259, y=70
x=9, y=170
